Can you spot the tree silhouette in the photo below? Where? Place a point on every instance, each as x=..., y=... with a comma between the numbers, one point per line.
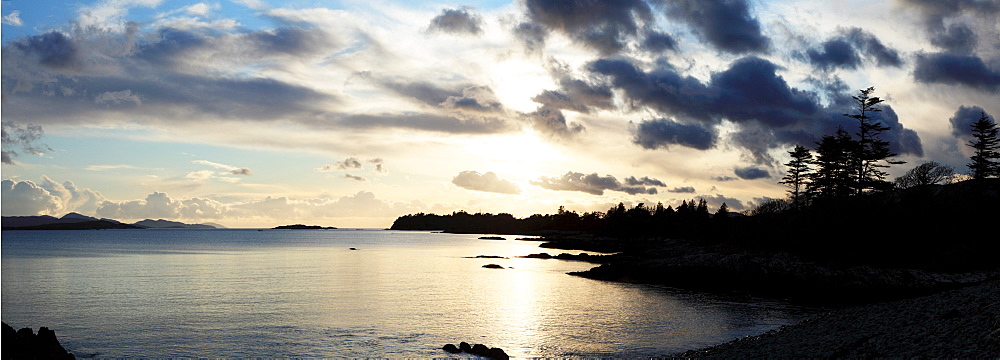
x=799, y=171
x=835, y=159
x=985, y=161
x=871, y=150
x=924, y=174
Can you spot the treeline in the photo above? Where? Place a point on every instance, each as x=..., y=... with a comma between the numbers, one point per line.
x=691, y=219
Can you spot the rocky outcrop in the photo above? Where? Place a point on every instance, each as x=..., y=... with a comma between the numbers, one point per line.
x=779, y=275
x=25, y=344
x=477, y=350
x=492, y=266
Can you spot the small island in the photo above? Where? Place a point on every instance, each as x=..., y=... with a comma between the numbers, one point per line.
x=303, y=227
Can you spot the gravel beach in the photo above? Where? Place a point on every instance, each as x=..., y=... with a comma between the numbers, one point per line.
x=962, y=323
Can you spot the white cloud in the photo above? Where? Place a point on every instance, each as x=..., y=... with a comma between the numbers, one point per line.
x=488, y=182
x=13, y=19
x=24, y=198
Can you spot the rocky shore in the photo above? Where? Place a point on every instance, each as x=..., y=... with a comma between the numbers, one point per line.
x=962, y=323
x=778, y=275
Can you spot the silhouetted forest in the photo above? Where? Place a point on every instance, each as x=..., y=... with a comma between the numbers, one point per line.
x=840, y=208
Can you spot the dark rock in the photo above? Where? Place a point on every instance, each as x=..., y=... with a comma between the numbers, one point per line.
x=479, y=349
x=464, y=346
x=489, y=257
x=353, y=248
x=538, y=256
x=492, y=238
x=451, y=348
x=492, y=266
x=24, y=344
x=496, y=353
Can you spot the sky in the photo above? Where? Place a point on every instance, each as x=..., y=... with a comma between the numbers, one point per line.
x=257, y=113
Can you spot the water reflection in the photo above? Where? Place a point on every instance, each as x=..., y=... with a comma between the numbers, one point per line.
x=305, y=294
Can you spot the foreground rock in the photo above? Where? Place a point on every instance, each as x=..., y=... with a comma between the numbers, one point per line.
x=25, y=344
x=477, y=350
x=962, y=323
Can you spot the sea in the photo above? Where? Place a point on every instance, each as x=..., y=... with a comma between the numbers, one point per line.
x=346, y=293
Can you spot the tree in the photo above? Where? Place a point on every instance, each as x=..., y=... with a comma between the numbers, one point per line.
x=799, y=171
x=871, y=150
x=834, y=160
x=924, y=174
x=722, y=213
x=986, y=148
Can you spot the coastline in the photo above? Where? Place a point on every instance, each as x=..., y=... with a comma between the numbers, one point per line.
x=962, y=323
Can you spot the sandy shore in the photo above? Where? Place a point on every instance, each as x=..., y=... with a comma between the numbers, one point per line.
x=962, y=323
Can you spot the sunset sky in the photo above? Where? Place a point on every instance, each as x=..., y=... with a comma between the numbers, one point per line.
x=256, y=113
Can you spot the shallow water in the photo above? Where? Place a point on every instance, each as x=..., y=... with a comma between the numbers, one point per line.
x=304, y=293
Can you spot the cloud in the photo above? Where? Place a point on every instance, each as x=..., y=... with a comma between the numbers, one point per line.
x=751, y=173
x=749, y=95
x=951, y=69
x=231, y=170
x=23, y=138
x=574, y=94
x=965, y=116
x=552, y=122
x=24, y=198
x=684, y=189
x=589, y=183
x=488, y=182
x=661, y=133
x=868, y=44
x=836, y=53
x=379, y=165
x=726, y=24
x=346, y=164
x=118, y=98
x=457, y=21
x=355, y=177
x=645, y=180
x=159, y=205
x=475, y=99
x=13, y=19
x=605, y=26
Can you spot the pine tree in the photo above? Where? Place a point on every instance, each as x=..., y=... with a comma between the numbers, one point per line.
x=871, y=150
x=986, y=145
x=799, y=171
x=834, y=166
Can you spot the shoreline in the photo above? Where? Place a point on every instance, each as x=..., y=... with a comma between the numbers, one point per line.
x=959, y=323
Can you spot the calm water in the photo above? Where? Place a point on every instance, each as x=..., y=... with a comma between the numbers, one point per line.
x=282, y=293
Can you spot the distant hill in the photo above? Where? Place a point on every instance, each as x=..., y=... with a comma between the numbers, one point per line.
x=75, y=221
x=80, y=225
x=303, y=227
x=166, y=224
x=215, y=225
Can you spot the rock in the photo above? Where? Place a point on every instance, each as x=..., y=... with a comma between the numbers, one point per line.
x=24, y=344
x=353, y=248
x=451, y=348
x=464, y=346
x=479, y=350
x=492, y=266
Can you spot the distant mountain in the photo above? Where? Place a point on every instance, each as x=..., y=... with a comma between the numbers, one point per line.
x=166, y=224
x=216, y=225
x=19, y=221
x=303, y=227
x=77, y=225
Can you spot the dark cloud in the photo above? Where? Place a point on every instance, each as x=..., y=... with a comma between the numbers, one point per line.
x=951, y=69
x=531, y=35
x=868, y=44
x=52, y=50
x=574, y=94
x=750, y=94
x=590, y=183
x=605, y=26
x=488, y=182
x=476, y=99
x=645, y=180
x=956, y=38
x=751, y=173
x=22, y=138
x=945, y=21
x=836, y=53
x=241, y=171
x=726, y=24
x=552, y=122
x=354, y=177
x=965, y=116
x=379, y=165
x=457, y=21
x=685, y=190
x=661, y=133
x=732, y=203
x=658, y=42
